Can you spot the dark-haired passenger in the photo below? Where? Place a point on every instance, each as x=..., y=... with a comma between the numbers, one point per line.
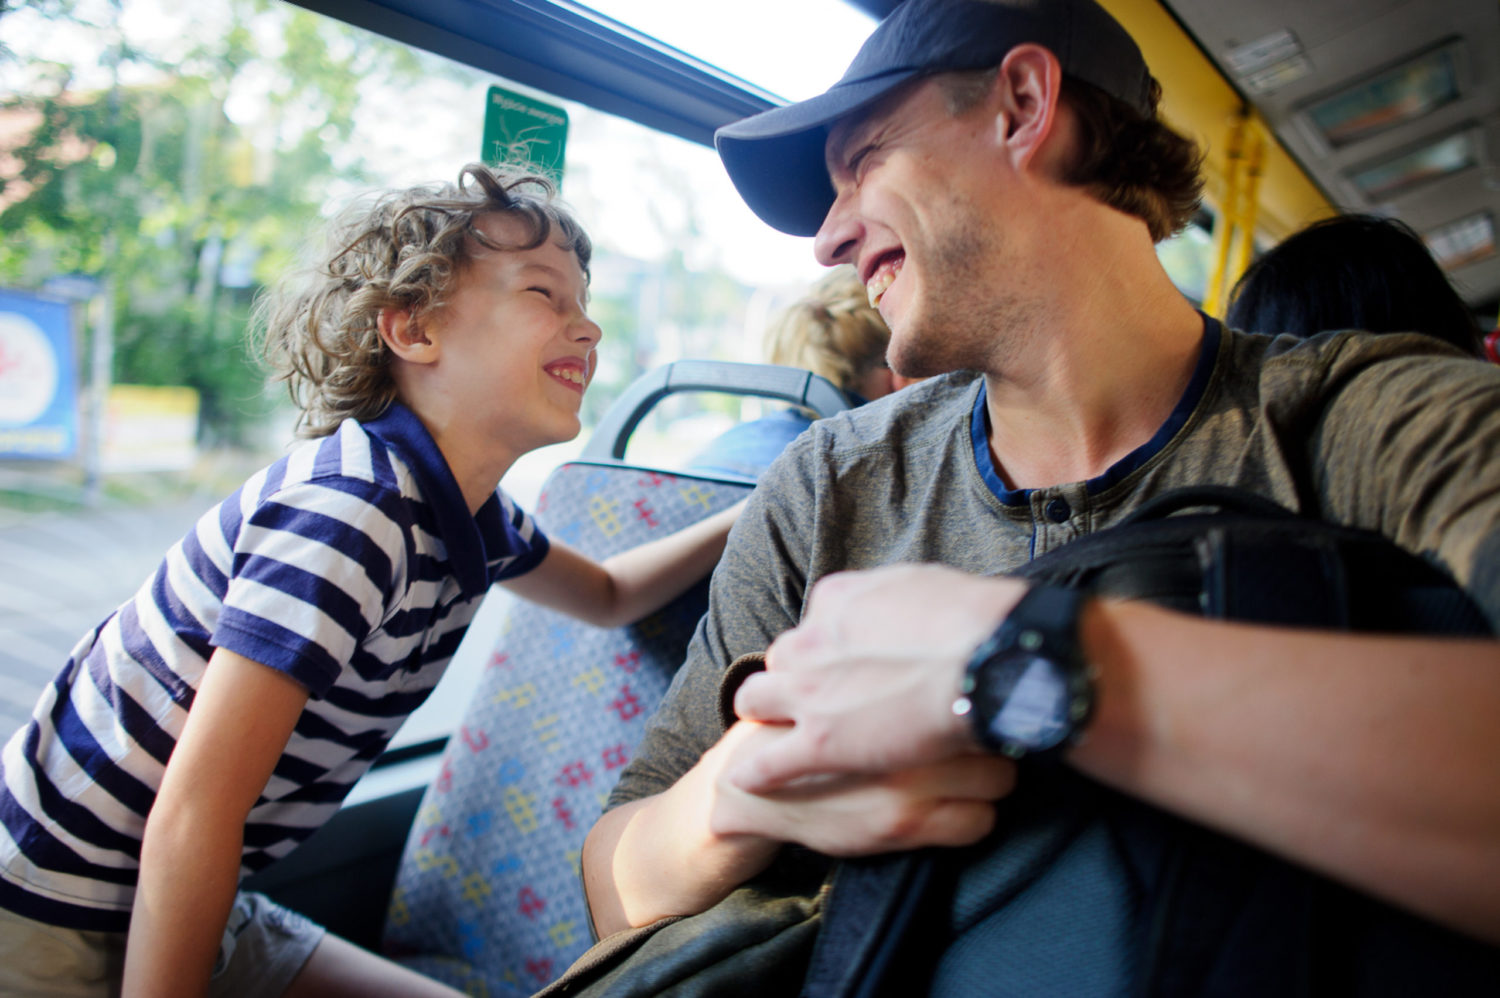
x=1352, y=272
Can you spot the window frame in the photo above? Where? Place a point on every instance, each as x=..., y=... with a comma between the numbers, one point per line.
x=565, y=49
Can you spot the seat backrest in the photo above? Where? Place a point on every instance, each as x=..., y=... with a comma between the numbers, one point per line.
x=489, y=884
x=488, y=896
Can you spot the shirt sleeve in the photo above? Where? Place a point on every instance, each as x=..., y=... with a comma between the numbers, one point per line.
x=317, y=567
x=1409, y=445
x=514, y=544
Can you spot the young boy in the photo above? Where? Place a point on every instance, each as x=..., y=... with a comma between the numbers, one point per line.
x=219, y=717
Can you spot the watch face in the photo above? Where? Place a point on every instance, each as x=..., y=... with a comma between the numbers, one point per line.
x=1034, y=703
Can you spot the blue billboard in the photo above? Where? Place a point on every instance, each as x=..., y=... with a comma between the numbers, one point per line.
x=38, y=378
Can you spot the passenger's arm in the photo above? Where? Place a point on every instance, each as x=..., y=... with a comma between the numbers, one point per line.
x=660, y=856
x=682, y=851
x=629, y=585
x=1368, y=758
x=240, y=721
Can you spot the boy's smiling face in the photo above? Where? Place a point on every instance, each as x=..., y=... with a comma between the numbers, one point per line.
x=515, y=345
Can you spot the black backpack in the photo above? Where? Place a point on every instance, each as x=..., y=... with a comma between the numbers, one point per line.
x=1196, y=913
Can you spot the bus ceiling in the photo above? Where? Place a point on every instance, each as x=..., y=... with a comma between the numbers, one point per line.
x=1384, y=106
x=1306, y=109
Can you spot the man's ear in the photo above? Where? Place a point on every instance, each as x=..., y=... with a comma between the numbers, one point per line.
x=405, y=337
x=1028, y=88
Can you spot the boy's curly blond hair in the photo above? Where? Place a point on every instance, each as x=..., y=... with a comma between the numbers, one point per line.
x=318, y=328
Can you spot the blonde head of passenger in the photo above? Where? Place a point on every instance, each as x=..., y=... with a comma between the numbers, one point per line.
x=834, y=332
x=405, y=250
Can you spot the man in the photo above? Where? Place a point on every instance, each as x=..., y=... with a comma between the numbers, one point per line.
x=996, y=174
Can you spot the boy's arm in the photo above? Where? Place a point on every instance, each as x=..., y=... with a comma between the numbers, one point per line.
x=630, y=585
x=240, y=721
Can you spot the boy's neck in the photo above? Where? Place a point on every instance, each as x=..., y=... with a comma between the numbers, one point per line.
x=476, y=465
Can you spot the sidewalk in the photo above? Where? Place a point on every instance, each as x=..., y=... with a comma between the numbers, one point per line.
x=62, y=573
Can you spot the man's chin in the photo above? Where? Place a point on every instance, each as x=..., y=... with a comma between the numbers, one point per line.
x=914, y=362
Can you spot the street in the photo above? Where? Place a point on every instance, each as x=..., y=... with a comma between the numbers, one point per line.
x=62, y=573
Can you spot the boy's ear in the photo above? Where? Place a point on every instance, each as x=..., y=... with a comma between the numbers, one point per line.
x=404, y=336
x=1028, y=88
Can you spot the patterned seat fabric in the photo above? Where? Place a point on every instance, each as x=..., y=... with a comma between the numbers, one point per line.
x=488, y=897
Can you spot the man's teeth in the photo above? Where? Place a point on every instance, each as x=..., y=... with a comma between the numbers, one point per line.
x=879, y=282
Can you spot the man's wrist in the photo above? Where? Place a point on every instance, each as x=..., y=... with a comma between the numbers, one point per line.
x=1027, y=689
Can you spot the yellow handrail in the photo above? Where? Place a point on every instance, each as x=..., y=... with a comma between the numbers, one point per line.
x=1198, y=100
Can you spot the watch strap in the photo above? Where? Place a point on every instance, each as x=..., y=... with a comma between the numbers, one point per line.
x=1043, y=612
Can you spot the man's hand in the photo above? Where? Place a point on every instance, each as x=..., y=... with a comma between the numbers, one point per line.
x=949, y=802
x=868, y=679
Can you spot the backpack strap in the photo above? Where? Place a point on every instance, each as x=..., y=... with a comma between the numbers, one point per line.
x=869, y=909
x=1226, y=498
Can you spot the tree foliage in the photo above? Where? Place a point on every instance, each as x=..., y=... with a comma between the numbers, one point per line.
x=183, y=209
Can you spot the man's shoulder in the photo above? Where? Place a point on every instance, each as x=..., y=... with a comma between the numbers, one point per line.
x=1334, y=350
x=1311, y=371
x=931, y=409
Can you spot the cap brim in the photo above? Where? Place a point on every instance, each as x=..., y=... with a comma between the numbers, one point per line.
x=776, y=158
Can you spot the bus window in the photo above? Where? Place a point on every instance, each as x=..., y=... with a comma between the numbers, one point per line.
x=173, y=161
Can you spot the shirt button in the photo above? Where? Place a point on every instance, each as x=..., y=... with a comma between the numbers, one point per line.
x=1058, y=510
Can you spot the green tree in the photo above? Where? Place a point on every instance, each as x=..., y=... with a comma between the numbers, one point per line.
x=155, y=186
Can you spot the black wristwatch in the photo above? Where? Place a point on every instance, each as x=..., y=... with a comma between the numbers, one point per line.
x=1027, y=689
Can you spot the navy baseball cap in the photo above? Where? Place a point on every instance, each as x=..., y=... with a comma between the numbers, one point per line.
x=775, y=158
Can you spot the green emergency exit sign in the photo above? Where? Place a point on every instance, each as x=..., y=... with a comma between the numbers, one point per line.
x=523, y=131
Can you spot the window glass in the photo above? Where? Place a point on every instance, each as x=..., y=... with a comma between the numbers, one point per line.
x=794, y=48
x=309, y=112
x=175, y=158
x=1188, y=258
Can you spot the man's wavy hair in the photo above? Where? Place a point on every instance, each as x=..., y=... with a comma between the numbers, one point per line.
x=404, y=250
x=1130, y=162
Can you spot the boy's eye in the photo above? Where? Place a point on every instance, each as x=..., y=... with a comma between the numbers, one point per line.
x=541, y=290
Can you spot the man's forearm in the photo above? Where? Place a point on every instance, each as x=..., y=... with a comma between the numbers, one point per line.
x=1368, y=758
x=684, y=850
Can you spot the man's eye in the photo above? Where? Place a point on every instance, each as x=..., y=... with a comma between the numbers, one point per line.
x=857, y=160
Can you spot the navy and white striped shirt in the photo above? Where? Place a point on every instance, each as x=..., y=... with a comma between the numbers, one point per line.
x=352, y=564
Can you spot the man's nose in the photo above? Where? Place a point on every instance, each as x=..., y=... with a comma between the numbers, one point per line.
x=839, y=236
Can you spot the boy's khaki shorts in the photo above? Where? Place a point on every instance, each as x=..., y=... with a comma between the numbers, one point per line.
x=264, y=947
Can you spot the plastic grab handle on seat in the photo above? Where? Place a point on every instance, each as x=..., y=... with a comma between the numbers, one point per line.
x=786, y=384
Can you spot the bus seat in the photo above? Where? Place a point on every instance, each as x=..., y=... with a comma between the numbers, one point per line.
x=488, y=895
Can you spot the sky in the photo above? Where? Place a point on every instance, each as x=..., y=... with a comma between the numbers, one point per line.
x=793, y=48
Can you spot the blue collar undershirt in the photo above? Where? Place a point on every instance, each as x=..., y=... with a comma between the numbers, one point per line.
x=979, y=428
